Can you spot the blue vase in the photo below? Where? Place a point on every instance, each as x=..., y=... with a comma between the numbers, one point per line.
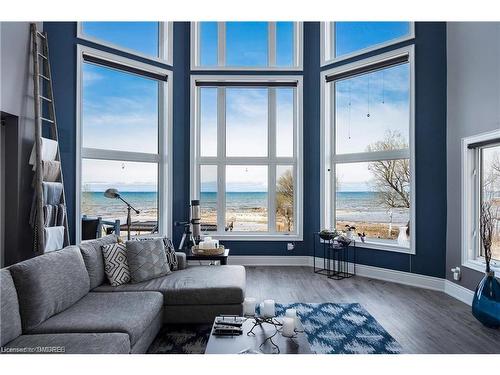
x=486, y=303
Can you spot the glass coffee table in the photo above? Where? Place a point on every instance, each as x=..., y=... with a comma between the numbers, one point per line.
x=255, y=342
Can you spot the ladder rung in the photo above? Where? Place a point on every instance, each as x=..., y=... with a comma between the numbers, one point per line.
x=42, y=56
x=44, y=77
x=47, y=120
x=45, y=98
x=41, y=35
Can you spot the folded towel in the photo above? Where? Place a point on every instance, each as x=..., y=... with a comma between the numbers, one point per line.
x=50, y=215
x=61, y=214
x=49, y=151
x=52, y=192
x=54, y=238
x=51, y=170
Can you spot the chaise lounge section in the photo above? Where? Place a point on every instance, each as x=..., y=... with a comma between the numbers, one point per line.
x=61, y=301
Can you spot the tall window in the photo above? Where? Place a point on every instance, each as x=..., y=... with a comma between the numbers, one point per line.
x=149, y=39
x=123, y=127
x=341, y=40
x=368, y=181
x=247, y=164
x=481, y=194
x=246, y=45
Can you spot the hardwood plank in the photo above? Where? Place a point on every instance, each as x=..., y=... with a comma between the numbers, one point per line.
x=421, y=320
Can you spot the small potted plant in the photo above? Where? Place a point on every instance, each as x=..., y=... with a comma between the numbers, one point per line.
x=486, y=303
x=328, y=235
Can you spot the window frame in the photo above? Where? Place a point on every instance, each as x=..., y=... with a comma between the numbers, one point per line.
x=298, y=38
x=329, y=159
x=165, y=43
x=221, y=160
x=471, y=196
x=164, y=156
x=327, y=57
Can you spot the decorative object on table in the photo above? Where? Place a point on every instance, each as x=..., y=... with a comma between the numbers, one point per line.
x=267, y=308
x=350, y=230
x=486, y=302
x=338, y=263
x=403, y=240
x=116, y=264
x=228, y=325
x=113, y=194
x=146, y=260
x=249, y=306
x=328, y=235
x=344, y=240
x=362, y=236
x=208, y=251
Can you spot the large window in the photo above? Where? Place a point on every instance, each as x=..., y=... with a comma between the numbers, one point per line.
x=149, y=39
x=123, y=145
x=246, y=45
x=367, y=146
x=481, y=193
x=341, y=40
x=246, y=156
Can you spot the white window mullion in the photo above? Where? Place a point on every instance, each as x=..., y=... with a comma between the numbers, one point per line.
x=221, y=44
x=333, y=169
x=221, y=154
x=271, y=183
x=271, y=44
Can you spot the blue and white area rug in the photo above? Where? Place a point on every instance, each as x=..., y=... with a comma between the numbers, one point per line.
x=331, y=328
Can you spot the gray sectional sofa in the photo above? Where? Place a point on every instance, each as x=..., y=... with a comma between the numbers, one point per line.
x=61, y=302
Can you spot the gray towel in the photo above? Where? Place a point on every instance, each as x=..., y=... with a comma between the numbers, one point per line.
x=54, y=238
x=54, y=215
x=61, y=214
x=52, y=192
x=51, y=170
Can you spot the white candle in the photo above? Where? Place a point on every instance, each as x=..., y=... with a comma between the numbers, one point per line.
x=288, y=327
x=291, y=313
x=268, y=308
x=249, y=306
x=207, y=238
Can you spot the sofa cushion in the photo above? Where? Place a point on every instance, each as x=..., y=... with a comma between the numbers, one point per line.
x=92, y=255
x=10, y=320
x=49, y=284
x=130, y=313
x=70, y=343
x=115, y=263
x=200, y=285
x=146, y=260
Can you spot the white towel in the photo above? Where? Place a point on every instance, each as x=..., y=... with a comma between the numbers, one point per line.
x=49, y=151
x=54, y=238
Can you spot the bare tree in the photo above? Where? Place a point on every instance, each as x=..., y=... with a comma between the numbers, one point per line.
x=284, y=198
x=391, y=177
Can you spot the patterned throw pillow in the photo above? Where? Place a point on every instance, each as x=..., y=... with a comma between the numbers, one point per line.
x=147, y=260
x=115, y=264
x=169, y=250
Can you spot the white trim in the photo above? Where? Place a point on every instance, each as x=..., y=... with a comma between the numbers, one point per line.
x=165, y=43
x=298, y=32
x=271, y=160
x=399, y=277
x=164, y=156
x=470, y=208
x=459, y=292
x=328, y=147
x=326, y=34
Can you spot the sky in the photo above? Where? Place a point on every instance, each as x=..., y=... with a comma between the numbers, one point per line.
x=120, y=110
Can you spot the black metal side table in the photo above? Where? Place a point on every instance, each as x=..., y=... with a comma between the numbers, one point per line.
x=336, y=258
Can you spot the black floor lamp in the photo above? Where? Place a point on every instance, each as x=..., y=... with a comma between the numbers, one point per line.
x=113, y=193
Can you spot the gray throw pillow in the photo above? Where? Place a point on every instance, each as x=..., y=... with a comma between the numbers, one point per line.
x=116, y=264
x=169, y=250
x=146, y=260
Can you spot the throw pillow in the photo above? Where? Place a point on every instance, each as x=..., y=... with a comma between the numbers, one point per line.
x=146, y=260
x=115, y=264
x=169, y=250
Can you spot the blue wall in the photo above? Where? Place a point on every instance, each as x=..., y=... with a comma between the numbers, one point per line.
x=430, y=137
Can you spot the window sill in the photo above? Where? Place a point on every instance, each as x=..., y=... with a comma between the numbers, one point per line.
x=256, y=237
x=480, y=266
x=384, y=247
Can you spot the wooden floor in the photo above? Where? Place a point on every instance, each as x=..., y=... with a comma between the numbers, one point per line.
x=422, y=321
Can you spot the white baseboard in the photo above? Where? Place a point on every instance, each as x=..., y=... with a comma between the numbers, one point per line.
x=459, y=292
x=412, y=279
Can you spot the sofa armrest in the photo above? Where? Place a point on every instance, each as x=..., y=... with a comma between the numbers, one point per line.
x=181, y=260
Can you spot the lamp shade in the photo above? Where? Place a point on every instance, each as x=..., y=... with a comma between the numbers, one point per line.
x=111, y=193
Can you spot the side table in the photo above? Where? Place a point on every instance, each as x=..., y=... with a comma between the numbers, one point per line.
x=222, y=258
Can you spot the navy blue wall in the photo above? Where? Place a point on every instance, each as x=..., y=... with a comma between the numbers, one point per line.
x=430, y=140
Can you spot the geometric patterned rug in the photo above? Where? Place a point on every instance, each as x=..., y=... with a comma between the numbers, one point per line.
x=331, y=328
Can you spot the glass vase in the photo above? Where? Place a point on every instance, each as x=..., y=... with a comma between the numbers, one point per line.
x=486, y=303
